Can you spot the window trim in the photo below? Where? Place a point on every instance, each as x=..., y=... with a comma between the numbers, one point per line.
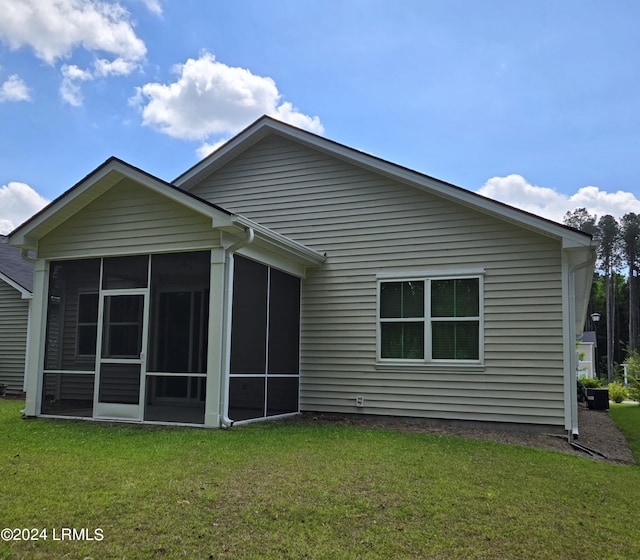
x=427, y=277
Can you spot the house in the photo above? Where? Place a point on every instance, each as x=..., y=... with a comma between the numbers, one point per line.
x=16, y=285
x=286, y=272
x=586, y=346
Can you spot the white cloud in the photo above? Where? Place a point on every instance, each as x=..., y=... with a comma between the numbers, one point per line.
x=117, y=67
x=210, y=98
x=55, y=29
x=14, y=89
x=153, y=6
x=205, y=149
x=70, y=91
x=548, y=203
x=18, y=202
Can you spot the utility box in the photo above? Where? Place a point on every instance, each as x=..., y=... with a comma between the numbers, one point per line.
x=598, y=399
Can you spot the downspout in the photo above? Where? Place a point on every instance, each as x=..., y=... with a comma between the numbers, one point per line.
x=24, y=253
x=573, y=389
x=228, y=301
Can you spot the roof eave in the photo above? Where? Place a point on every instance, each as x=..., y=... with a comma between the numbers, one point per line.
x=267, y=125
x=94, y=185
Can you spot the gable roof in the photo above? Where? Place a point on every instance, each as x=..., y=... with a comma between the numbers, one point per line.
x=266, y=126
x=14, y=270
x=111, y=172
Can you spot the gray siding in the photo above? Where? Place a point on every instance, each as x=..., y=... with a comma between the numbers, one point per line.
x=14, y=313
x=129, y=219
x=369, y=224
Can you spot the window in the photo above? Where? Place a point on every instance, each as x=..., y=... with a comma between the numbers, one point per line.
x=430, y=319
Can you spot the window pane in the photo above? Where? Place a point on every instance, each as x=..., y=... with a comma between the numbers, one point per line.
x=413, y=299
x=467, y=297
x=402, y=340
x=87, y=336
x=125, y=272
x=456, y=340
x=122, y=335
x=402, y=299
x=455, y=298
x=88, y=308
x=442, y=298
x=391, y=299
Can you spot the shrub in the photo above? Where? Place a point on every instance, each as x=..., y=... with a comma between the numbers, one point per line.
x=617, y=392
x=589, y=382
x=633, y=391
x=633, y=368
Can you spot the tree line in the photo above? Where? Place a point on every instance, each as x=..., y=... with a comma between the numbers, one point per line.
x=614, y=294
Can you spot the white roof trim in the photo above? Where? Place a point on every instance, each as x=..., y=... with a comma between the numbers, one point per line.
x=24, y=293
x=266, y=125
x=91, y=187
x=112, y=172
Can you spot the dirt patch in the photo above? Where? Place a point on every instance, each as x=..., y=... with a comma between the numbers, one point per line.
x=598, y=433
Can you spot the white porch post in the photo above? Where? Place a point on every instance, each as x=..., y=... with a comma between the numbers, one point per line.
x=36, y=337
x=215, y=369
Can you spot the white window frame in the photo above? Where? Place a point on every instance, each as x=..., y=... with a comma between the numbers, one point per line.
x=427, y=278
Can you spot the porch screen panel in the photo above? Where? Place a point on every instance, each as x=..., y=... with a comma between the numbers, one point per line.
x=72, y=315
x=246, y=398
x=125, y=272
x=265, y=342
x=120, y=383
x=179, y=312
x=284, y=323
x=68, y=394
x=175, y=398
x=282, y=395
x=249, y=317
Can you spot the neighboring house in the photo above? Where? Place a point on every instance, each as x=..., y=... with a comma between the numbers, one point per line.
x=586, y=348
x=16, y=285
x=287, y=272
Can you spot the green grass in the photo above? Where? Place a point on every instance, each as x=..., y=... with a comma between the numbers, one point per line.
x=286, y=490
x=627, y=418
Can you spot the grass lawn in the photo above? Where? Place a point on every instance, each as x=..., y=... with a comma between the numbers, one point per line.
x=627, y=418
x=283, y=490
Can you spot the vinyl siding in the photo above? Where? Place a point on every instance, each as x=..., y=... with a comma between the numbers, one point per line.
x=369, y=224
x=14, y=313
x=128, y=219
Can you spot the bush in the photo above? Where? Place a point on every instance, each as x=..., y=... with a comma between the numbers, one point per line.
x=589, y=382
x=633, y=391
x=633, y=368
x=617, y=392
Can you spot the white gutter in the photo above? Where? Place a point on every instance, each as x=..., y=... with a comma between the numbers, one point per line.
x=228, y=301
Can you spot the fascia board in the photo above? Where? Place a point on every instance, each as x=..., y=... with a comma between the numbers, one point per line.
x=266, y=125
x=100, y=181
x=24, y=293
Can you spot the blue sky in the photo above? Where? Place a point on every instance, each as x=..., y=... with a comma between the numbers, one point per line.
x=535, y=103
